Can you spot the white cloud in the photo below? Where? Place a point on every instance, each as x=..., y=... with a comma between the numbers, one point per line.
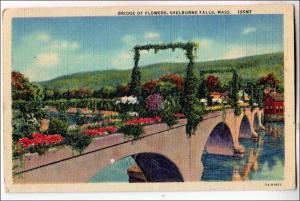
x=64, y=45
x=129, y=39
x=122, y=60
x=235, y=52
x=152, y=36
x=43, y=37
x=248, y=30
x=244, y=50
x=47, y=59
x=179, y=39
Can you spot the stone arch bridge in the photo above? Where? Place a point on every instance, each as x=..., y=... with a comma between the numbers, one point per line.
x=163, y=154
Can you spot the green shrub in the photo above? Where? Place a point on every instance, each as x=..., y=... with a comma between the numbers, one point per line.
x=169, y=118
x=58, y=126
x=77, y=140
x=132, y=131
x=81, y=119
x=97, y=117
x=23, y=125
x=168, y=114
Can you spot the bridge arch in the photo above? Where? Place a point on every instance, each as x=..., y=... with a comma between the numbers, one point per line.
x=220, y=140
x=154, y=167
x=256, y=121
x=245, y=128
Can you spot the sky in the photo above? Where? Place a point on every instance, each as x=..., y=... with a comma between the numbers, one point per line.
x=48, y=47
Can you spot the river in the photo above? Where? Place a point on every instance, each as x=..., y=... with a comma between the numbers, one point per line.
x=263, y=160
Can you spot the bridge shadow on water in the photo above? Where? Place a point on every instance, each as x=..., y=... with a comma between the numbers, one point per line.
x=141, y=167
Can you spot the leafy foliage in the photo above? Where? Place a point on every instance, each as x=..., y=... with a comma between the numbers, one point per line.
x=268, y=81
x=203, y=91
x=23, y=125
x=174, y=78
x=58, y=126
x=234, y=94
x=135, y=84
x=77, y=140
x=132, y=131
x=190, y=92
x=168, y=115
x=22, y=89
x=212, y=83
x=190, y=82
x=150, y=87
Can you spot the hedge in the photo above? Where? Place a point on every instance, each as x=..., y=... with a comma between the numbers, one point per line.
x=64, y=104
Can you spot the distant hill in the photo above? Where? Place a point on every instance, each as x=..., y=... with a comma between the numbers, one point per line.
x=251, y=67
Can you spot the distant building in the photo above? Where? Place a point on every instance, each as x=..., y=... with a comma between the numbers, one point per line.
x=274, y=106
x=215, y=95
x=274, y=103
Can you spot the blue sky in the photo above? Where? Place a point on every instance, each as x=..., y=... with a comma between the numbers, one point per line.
x=45, y=48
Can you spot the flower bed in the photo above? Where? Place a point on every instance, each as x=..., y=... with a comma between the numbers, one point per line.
x=100, y=131
x=141, y=121
x=40, y=139
x=78, y=131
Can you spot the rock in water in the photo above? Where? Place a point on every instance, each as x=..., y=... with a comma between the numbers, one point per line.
x=135, y=174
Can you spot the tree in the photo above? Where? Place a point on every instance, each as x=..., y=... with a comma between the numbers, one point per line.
x=175, y=79
x=203, y=91
x=150, y=87
x=269, y=80
x=83, y=92
x=121, y=90
x=49, y=94
x=104, y=92
x=212, y=83
x=22, y=89
x=234, y=94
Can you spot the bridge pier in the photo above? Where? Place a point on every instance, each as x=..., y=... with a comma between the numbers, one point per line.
x=260, y=125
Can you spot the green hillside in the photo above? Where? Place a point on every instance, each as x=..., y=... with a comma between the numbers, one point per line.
x=251, y=67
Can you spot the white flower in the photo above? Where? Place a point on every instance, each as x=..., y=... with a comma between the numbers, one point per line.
x=203, y=100
x=128, y=100
x=217, y=100
x=118, y=102
x=72, y=127
x=240, y=101
x=255, y=104
x=133, y=114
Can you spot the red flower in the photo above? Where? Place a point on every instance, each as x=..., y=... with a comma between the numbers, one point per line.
x=143, y=121
x=40, y=139
x=100, y=131
x=179, y=115
x=25, y=142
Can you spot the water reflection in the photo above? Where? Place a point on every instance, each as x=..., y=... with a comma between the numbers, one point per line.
x=116, y=172
x=252, y=165
x=264, y=159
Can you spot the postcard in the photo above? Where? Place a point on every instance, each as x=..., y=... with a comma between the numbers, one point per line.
x=162, y=98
